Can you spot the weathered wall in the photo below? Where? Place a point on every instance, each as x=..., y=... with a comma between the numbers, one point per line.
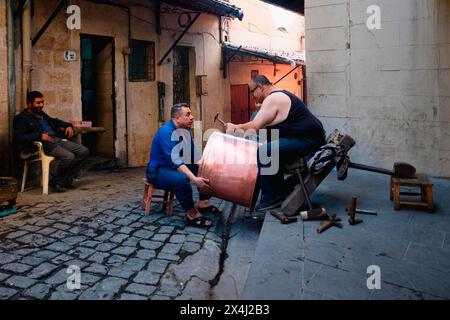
x=4, y=118
x=388, y=88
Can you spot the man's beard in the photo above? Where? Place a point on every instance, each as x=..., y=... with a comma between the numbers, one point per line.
x=38, y=111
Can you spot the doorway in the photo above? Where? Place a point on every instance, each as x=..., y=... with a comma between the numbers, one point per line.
x=98, y=94
x=242, y=103
x=181, y=73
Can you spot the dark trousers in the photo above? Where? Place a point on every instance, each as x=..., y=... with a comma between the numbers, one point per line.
x=289, y=150
x=179, y=183
x=71, y=157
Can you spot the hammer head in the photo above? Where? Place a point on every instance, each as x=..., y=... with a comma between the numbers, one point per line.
x=216, y=117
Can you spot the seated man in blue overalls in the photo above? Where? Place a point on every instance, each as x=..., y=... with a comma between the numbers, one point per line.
x=169, y=170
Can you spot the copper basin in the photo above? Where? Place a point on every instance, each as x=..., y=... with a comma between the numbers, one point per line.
x=230, y=164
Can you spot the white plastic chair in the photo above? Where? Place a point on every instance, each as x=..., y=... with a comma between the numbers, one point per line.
x=39, y=155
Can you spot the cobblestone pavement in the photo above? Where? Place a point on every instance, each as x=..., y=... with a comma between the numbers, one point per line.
x=101, y=229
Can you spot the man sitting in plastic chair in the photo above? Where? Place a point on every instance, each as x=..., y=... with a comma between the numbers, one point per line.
x=33, y=124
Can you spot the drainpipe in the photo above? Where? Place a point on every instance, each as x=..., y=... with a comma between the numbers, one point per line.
x=11, y=78
x=26, y=51
x=126, y=54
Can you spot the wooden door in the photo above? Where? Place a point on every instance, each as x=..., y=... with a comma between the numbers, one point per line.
x=240, y=111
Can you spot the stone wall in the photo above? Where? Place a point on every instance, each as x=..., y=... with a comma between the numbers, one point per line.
x=4, y=115
x=388, y=88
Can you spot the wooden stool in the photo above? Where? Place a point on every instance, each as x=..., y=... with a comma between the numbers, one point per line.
x=149, y=198
x=426, y=192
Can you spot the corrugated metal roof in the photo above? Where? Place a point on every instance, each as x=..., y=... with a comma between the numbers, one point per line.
x=286, y=57
x=216, y=7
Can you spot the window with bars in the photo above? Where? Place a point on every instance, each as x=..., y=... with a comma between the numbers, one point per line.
x=141, y=63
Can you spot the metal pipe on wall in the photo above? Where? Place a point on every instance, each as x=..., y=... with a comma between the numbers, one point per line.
x=26, y=52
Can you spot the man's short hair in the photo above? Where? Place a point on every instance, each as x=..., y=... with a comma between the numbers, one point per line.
x=176, y=109
x=33, y=95
x=261, y=80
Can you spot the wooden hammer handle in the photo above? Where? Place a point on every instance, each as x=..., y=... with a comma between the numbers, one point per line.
x=325, y=226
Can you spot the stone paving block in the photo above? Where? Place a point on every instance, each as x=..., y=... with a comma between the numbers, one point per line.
x=213, y=236
x=151, y=218
x=90, y=244
x=60, y=295
x=110, y=227
x=25, y=251
x=59, y=246
x=161, y=237
x=42, y=270
x=88, y=280
x=131, y=297
x=77, y=230
x=61, y=226
x=147, y=277
x=141, y=289
x=16, y=267
x=30, y=228
x=150, y=227
x=74, y=240
x=119, y=238
x=311, y=295
x=124, y=222
x=126, y=230
x=99, y=257
x=7, y=258
x=149, y=244
x=167, y=256
x=171, y=248
x=104, y=290
x=105, y=236
x=76, y=263
x=47, y=231
x=46, y=254
x=58, y=278
x=157, y=265
x=196, y=230
x=61, y=259
x=106, y=246
x=44, y=222
x=125, y=251
x=97, y=268
x=195, y=238
x=32, y=261
x=158, y=297
x=81, y=252
x=20, y=282
x=146, y=254
x=131, y=242
x=38, y=291
x=166, y=229
x=136, y=225
x=191, y=247
x=169, y=291
x=144, y=234
x=177, y=238
x=116, y=260
x=6, y=293
x=60, y=234
x=3, y=276
x=16, y=234
x=121, y=272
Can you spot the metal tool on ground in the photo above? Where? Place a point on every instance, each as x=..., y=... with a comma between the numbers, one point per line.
x=217, y=118
x=314, y=214
x=368, y=212
x=284, y=219
x=400, y=170
x=332, y=221
x=352, y=213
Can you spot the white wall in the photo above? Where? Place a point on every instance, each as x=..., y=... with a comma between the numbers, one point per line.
x=388, y=88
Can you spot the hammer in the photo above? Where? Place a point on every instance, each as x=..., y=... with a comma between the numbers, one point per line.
x=220, y=120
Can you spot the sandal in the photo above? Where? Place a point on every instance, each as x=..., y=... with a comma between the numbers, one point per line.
x=210, y=209
x=198, y=222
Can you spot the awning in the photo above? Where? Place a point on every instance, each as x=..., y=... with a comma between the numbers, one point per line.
x=234, y=52
x=216, y=7
x=292, y=5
